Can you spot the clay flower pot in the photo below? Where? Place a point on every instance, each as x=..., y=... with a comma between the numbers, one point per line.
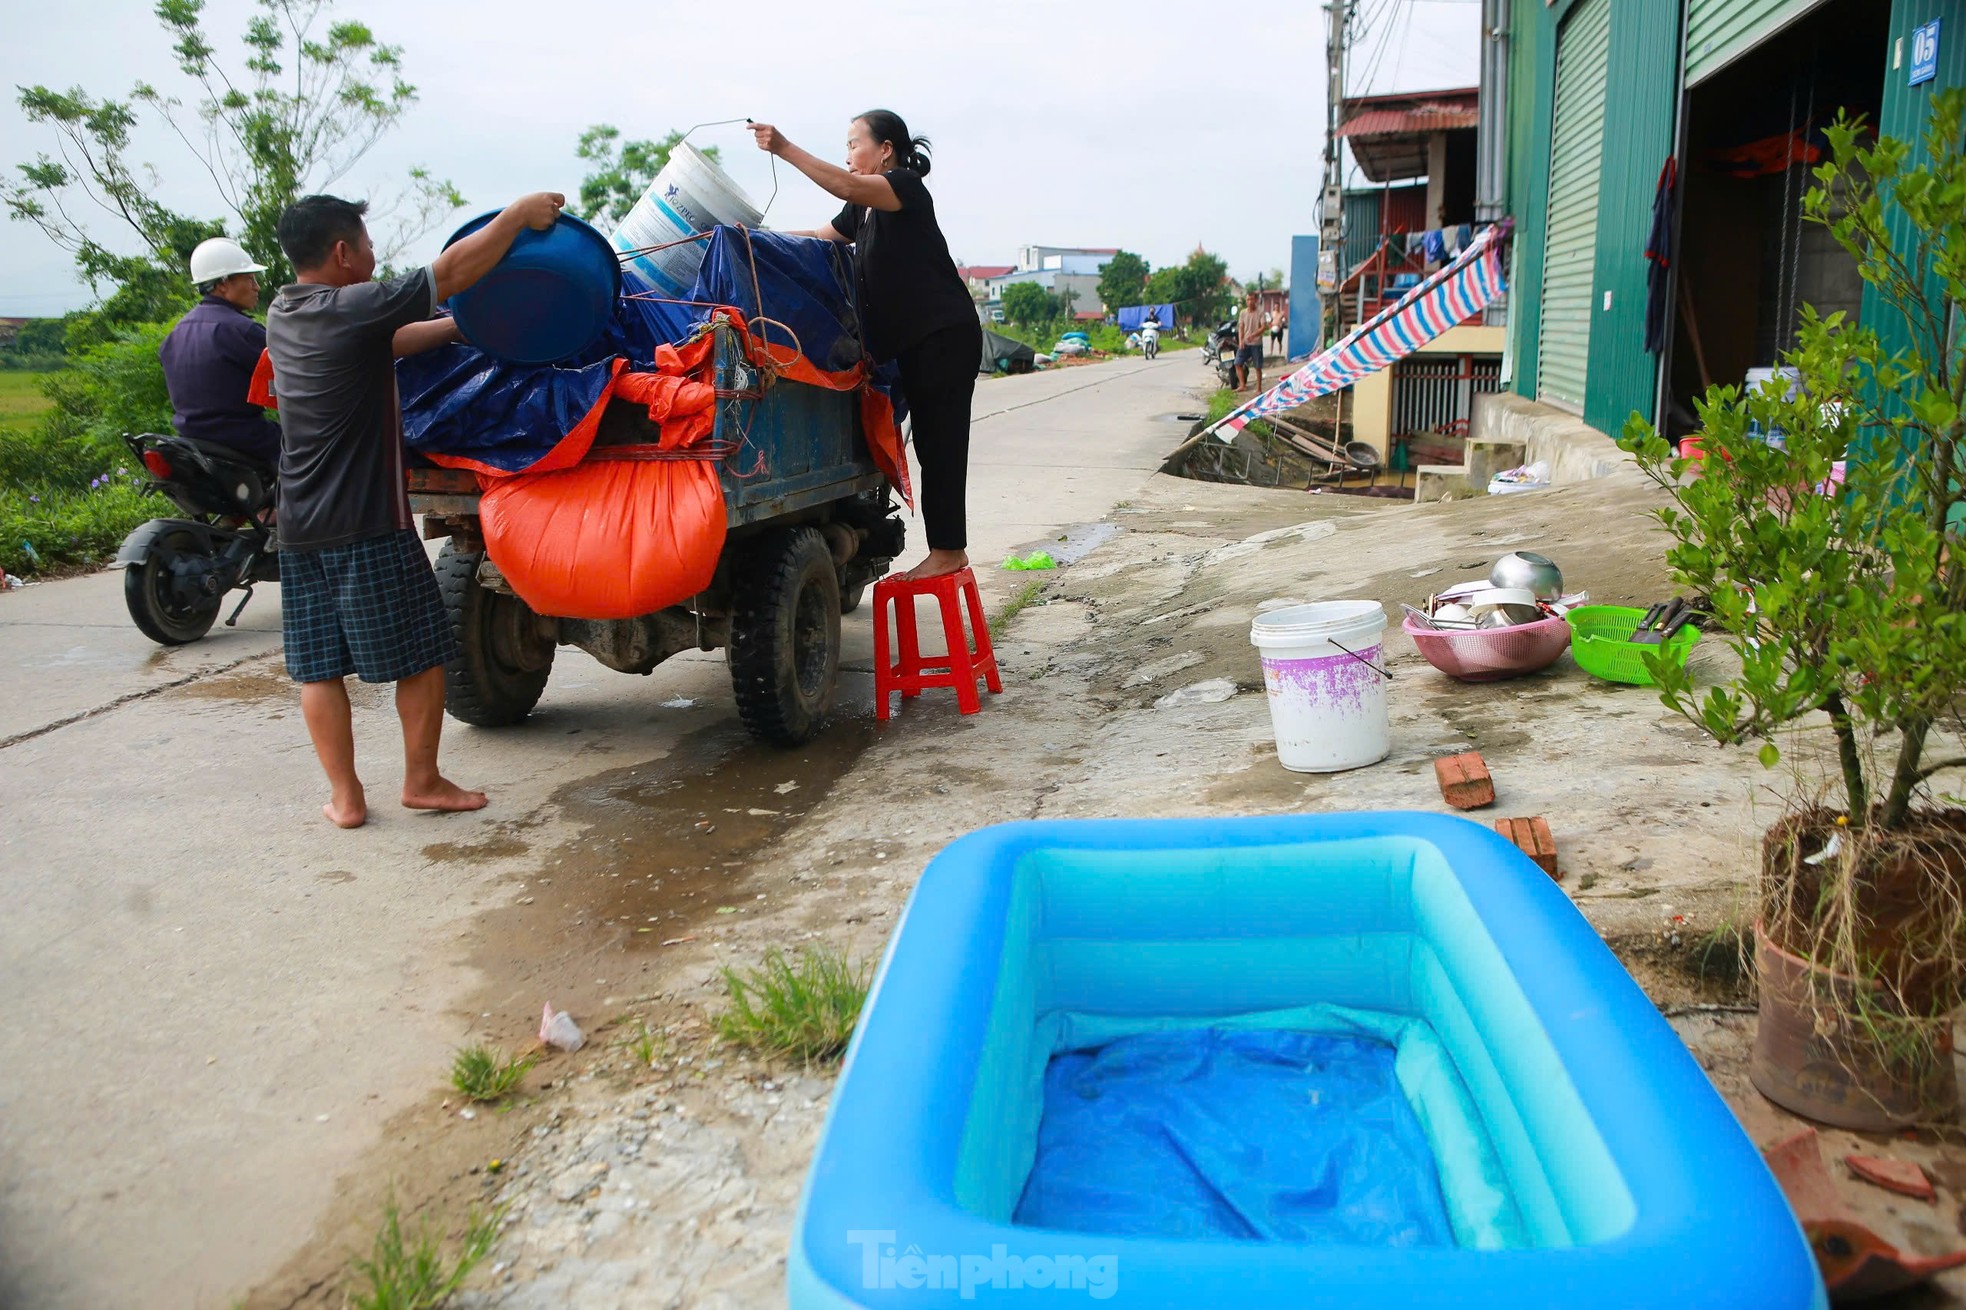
x=1812, y=1057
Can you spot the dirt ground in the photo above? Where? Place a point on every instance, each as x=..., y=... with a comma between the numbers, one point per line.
x=674, y=1183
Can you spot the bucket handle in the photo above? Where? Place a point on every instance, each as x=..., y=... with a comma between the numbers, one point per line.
x=1366, y=662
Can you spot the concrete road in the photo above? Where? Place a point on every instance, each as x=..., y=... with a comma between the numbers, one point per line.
x=215, y=999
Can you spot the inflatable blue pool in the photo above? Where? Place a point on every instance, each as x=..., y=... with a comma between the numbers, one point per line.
x=1354, y=1060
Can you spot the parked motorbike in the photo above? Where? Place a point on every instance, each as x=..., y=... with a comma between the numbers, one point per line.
x=1219, y=353
x=178, y=571
x=1221, y=345
x=1150, y=338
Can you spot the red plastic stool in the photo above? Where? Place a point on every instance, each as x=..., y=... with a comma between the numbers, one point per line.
x=904, y=670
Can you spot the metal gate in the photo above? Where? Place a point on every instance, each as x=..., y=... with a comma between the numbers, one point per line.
x=1435, y=393
x=1583, y=54
x=1721, y=31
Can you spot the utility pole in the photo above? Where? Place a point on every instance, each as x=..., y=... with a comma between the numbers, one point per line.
x=1342, y=12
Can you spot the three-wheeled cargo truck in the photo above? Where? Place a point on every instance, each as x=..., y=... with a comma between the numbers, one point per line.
x=811, y=526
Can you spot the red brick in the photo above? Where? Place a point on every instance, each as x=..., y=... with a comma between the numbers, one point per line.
x=1464, y=781
x=1901, y=1176
x=1532, y=837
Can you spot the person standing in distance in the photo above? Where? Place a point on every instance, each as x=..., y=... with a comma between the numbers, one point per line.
x=357, y=594
x=915, y=308
x=1251, y=324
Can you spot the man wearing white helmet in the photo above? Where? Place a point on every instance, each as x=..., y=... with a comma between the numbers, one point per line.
x=209, y=357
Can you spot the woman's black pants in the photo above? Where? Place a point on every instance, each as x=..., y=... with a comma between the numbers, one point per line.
x=938, y=379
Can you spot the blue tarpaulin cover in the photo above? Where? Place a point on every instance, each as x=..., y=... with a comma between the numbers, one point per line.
x=462, y=402
x=1209, y=1133
x=1131, y=317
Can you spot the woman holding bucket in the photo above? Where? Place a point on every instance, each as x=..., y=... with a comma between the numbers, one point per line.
x=915, y=308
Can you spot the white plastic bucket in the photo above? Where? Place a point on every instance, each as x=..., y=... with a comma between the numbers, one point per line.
x=1327, y=697
x=690, y=194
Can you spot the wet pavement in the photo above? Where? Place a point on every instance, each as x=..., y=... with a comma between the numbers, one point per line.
x=225, y=1005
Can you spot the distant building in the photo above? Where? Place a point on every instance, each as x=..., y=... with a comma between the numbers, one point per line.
x=977, y=276
x=1082, y=287
x=1064, y=259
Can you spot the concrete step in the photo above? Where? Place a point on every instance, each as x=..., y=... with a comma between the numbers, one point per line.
x=1487, y=456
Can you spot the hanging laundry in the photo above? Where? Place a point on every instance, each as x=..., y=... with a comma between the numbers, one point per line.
x=1467, y=234
x=1658, y=255
x=1435, y=246
x=1450, y=237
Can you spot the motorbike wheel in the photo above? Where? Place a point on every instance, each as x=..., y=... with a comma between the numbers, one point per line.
x=503, y=663
x=785, y=637
x=150, y=592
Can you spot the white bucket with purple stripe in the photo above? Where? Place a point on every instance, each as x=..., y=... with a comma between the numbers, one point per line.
x=1322, y=665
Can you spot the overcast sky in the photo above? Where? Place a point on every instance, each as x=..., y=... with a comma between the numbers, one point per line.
x=1151, y=126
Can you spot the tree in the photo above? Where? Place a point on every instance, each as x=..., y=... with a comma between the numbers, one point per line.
x=1062, y=302
x=1165, y=285
x=310, y=99
x=622, y=170
x=1205, y=283
x=1831, y=561
x=1025, y=303
x=1123, y=280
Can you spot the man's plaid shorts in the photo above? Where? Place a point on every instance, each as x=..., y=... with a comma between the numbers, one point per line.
x=370, y=608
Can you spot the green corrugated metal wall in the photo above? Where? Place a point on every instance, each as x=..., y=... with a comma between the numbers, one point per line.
x=1361, y=230
x=1532, y=79
x=1903, y=117
x=1644, y=66
x=1570, y=216
x=1718, y=30
x=1642, y=80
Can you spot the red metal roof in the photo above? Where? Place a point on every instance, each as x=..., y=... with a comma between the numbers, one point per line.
x=1417, y=121
x=985, y=270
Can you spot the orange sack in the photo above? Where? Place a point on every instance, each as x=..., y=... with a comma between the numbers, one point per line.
x=607, y=539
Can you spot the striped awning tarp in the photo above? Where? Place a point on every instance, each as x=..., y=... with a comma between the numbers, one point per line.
x=1456, y=292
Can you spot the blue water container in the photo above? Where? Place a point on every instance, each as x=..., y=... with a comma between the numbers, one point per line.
x=547, y=300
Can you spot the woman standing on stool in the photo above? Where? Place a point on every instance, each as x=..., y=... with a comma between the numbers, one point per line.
x=915, y=307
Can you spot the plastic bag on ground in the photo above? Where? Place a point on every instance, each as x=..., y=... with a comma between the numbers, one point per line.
x=558, y=1030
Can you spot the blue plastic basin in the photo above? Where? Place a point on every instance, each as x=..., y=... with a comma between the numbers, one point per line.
x=548, y=299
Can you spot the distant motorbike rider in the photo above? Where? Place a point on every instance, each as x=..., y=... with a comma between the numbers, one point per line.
x=209, y=357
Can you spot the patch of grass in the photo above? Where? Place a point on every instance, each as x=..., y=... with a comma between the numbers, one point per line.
x=804, y=1009
x=646, y=1044
x=409, y=1271
x=1016, y=605
x=485, y=1074
x=21, y=398
x=1224, y=399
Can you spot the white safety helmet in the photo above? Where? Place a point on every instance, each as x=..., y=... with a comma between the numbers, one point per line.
x=218, y=259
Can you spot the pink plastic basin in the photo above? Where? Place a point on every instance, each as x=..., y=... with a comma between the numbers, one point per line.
x=1489, y=654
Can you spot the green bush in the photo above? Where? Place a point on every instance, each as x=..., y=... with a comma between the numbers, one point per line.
x=69, y=493
x=40, y=529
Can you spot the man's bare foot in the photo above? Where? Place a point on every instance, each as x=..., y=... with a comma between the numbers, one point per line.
x=347, y=811
x=937, y=564
x=443, y=795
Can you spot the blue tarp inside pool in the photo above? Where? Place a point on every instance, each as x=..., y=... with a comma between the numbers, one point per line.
x=1239, y=1136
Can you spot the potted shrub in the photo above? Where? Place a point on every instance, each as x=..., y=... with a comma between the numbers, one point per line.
x=1839, y=586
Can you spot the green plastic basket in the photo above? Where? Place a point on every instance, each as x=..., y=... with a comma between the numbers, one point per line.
x=1600, y=641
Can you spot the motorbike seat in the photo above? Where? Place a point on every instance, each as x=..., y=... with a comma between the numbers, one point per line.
x=229, y=455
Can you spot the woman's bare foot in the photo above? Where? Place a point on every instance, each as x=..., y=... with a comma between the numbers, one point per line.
x=938, y=563
x=349, y=811
x=442, y=795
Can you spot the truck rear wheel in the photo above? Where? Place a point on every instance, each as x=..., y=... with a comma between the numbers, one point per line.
x=785, y=637
x=503, y=661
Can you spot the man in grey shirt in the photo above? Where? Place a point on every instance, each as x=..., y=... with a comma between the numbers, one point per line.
x=356, y=591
